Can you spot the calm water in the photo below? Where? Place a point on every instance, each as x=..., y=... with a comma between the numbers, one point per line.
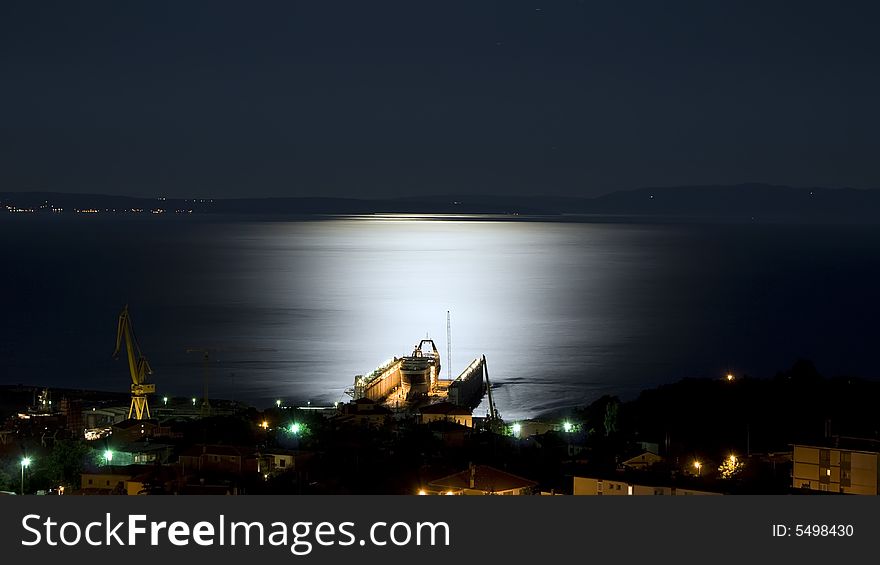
x=564, y=312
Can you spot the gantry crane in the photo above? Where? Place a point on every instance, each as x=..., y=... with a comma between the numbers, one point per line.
x=138, y=366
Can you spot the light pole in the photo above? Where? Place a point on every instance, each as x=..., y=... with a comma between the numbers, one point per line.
x=699, y=467
x=25, y=462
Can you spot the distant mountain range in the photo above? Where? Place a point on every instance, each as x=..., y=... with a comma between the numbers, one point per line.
x=744, y=202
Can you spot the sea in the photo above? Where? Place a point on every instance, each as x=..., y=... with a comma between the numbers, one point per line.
x=564, y=309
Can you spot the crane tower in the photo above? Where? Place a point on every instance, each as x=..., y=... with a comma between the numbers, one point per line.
x=138, y=367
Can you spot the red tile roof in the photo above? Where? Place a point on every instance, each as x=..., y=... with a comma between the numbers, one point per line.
x=486, y=479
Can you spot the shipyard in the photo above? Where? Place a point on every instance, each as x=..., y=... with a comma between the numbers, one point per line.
x=413, y=414
x=347, y=261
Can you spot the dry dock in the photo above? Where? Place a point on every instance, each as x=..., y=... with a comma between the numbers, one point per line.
x=415, y=380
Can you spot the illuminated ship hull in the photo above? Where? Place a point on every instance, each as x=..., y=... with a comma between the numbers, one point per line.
x=418, y=375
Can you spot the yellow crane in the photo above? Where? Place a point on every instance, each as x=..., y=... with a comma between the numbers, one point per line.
x=138, y=366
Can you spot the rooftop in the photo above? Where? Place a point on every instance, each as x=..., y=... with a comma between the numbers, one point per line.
x=486, y=479
x=227, y=450
x=446, y=409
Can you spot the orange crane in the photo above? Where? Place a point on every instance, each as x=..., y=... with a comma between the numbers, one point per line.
x=138, y=366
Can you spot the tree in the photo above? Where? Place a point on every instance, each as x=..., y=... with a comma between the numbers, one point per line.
x=7, y=481
x=65, y=463
x=611, y=410
x=730, y=467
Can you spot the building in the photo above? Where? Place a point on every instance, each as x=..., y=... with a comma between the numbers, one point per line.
x=141, y=452
x=446, y=412
x=111, y=479
x=451, y=434
x=601, y=487
x=285, y=460
x=226, y=459
x=642, y=461
x=363, y=412
x=529, y=428
x=132, y=430
x=482, y=480
x=851, y=467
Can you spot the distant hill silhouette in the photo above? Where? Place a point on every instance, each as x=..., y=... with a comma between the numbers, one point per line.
x=744, y=202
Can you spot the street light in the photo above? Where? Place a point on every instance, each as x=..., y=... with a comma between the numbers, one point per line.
x=699, y=467
x=729, y=377
x=194, y=401
x=278, y=403
x=108, y=456
x=567, y=426
x=165, y=400
x=516, y=429
x=294, y=428
x=25, y=462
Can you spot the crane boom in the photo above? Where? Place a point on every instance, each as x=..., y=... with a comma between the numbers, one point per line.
x=493, y=412
x=138, y=366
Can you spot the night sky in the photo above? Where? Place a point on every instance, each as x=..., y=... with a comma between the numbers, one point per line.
x=368, y=98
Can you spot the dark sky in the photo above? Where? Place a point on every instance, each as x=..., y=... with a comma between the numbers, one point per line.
x=371, y=98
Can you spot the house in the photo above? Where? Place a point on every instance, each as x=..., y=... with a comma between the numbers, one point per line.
x=227, y=459
x=450, y=434
x=110, y=479
x=448, y=412
x=284, y=460
x=131, y=430
x=141, y=451
x=363, y=412
x=483, y=480
x=155, y=479
x=641, y=461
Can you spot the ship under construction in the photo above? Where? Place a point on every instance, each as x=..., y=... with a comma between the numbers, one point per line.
x=411, y=381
